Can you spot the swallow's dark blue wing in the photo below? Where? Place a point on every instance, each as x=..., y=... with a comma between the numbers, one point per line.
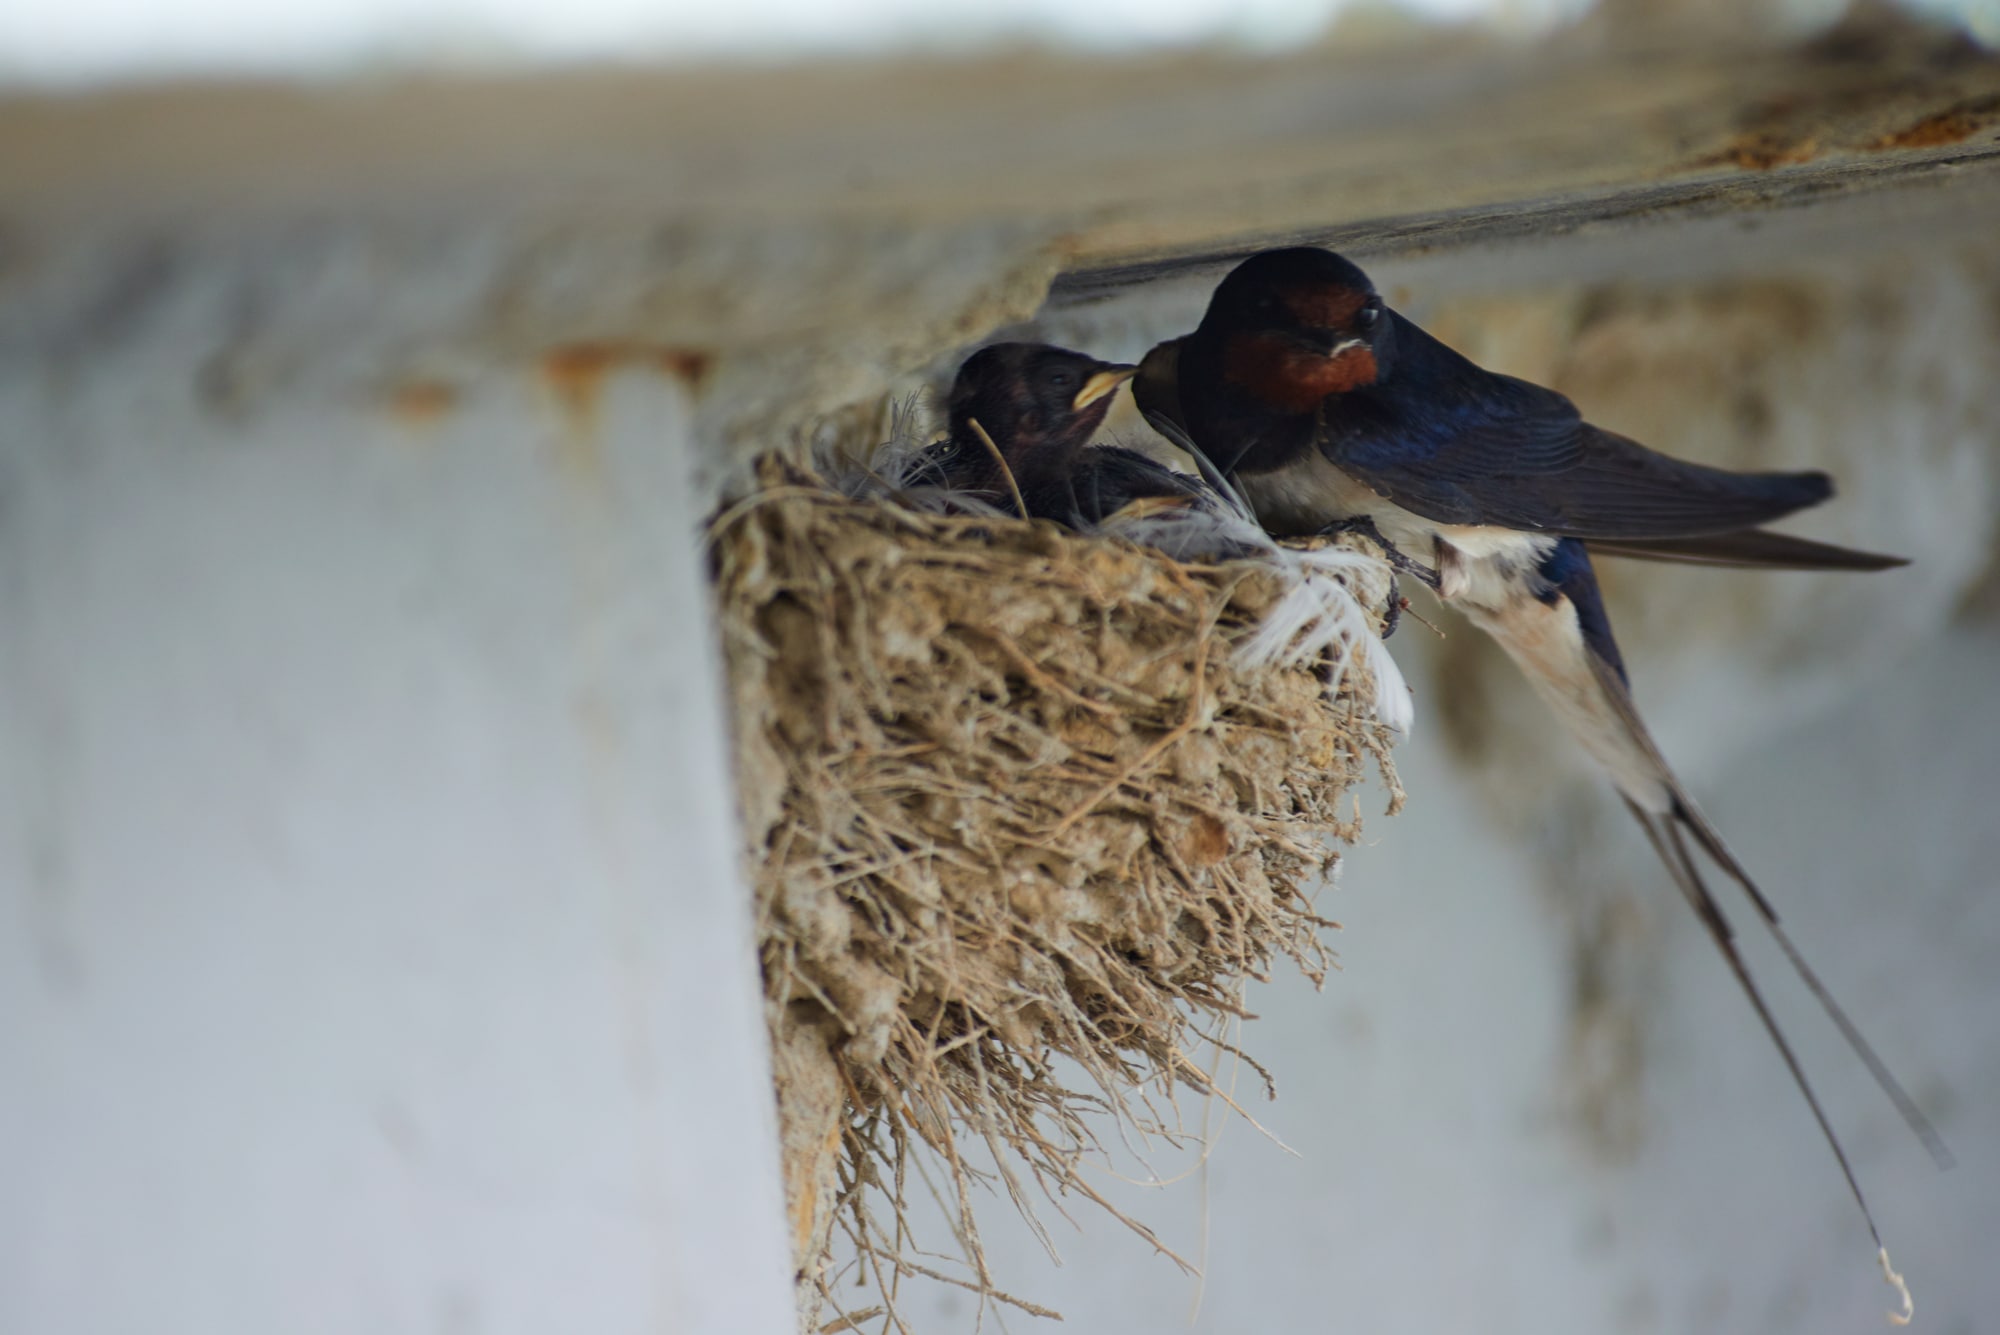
x=1453, y=442
x=1566, y=573
x=1751, y=548
x=1104, y=479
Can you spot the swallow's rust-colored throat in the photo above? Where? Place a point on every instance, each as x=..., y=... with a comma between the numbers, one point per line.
x=1284, y=376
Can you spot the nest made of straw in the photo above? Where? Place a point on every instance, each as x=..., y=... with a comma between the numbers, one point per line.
x=1008, y=797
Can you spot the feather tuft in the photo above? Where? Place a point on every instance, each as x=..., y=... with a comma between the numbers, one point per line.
x=908, y=469
x=1317, y=616
x=1321, y=616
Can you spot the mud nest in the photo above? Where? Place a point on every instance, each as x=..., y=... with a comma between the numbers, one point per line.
x=1010, y=797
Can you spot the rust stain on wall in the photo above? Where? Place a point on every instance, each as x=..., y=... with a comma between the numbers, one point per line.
x=1950, y=126
x=690, y=366
x=422, y=402
x=1764, y=150
x=575, y=374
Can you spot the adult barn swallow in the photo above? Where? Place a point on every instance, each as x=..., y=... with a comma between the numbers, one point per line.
x=1330, y=410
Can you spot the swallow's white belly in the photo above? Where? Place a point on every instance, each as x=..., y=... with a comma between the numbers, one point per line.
x=1546, y=643
x=1478, y=565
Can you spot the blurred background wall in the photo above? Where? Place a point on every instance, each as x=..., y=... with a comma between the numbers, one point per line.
x=361, y=823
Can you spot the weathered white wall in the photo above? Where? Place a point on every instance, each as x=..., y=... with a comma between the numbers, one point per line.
x=374, y=959
x=373, y=954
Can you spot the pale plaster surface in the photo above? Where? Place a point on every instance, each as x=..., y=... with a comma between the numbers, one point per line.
x=375, y=956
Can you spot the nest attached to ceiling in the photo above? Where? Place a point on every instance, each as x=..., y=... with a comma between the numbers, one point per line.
x=1009, y=796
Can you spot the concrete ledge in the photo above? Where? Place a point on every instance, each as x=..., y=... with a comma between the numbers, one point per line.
x=816, y=235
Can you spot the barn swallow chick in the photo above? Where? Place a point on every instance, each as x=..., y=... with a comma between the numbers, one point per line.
x=1021, y=419
x=1331, y=411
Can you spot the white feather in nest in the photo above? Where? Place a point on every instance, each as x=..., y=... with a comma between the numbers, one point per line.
x=1318, y=615
x=905, y=468
x=1187, y=532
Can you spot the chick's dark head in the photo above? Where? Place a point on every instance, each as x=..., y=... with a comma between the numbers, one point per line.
x=1030, y=396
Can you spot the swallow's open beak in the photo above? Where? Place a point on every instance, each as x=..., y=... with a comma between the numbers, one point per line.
x=1104, y=382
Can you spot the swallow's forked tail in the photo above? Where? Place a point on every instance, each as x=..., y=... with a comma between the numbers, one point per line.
x=1665, y=834
x=1683, y=819
x=1669, y=831
x=1588, y=693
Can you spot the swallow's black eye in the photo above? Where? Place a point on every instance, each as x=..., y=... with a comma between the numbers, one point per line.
x=1365, y=318
x=1060, y=379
